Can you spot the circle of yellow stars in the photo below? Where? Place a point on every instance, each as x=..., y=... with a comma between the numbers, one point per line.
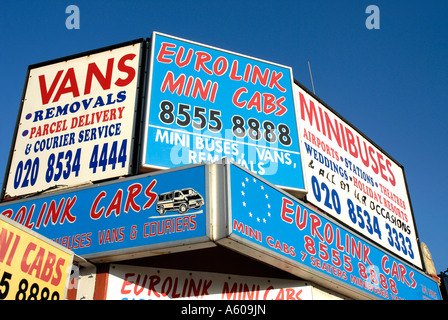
x=259, y=216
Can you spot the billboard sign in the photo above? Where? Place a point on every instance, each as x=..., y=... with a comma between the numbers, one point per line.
x=76, y=122
x=271, y=226
x=143, y=283
x=206, y=103
x=31, y=266
x=354, y=181
x=127, y=217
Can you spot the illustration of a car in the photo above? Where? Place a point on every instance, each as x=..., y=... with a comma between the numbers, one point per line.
x=179, y=200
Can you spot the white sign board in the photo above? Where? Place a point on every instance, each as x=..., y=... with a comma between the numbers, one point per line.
x=354, y=181
x=143, y=283
x=76, y=122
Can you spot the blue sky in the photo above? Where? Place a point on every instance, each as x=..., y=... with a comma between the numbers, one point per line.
x=390, y=83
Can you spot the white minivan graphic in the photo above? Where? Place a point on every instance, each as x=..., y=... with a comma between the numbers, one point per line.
x=179, y=200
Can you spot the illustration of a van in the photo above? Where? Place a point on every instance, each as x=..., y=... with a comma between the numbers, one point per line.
x=179, y=200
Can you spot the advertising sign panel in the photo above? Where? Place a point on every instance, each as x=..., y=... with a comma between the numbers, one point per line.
x=31, y=266
x=76, y=122
x=206, y=103
x=280, y=230
x=354, y=181
x=143, y=283
x=124, y=217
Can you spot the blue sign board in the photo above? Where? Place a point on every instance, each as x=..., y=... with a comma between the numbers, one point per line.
x=279, y=225
x=125, y=216
x=206, y=103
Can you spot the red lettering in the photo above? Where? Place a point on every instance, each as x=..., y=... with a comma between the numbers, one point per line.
x=30, y=215
x=286, y=210
x=47, y=270
x=257, y=75
x=265, y=296
x=201, y=58
x=392, y=179
x=46, y=94
x=199, y=87
x=372, y=157
x=8, y=213
x=165, y=52
x=53, y=212
x=236, y=96
x=328, y=233
x=255, y=101
x=152, y=196
x=41, y=215
x=323, y=254
x=351, y=143
x=265, y=102
x=221, y=61
x=382, y=167
x=179, y=55
x=247, y=72
x=282, y=108
x=173, y=85
x=310, y=112
x=153, y=281
x=338, y=240
x=411, y=276
x=66, y=214
x=37, y=263
x=290, y=294
x=365, y=255
x=233, y=70
x=383, y=264
x=137, y=284
x=301, y=224
x=366, y=159
x=133, y=191
x=356, y=248
x=336, y=260
x=332, y=129
x=126, y=69
x=56, y=280
x=403, y=274
x=273, y=82
x=4, y=244
x=126, y=283
x=115, y=204
x=315, y=223
x=97, y=214
x=269, y=103
x=193, y=222
x=104, y=81
x=64, y=89
x=394, y=272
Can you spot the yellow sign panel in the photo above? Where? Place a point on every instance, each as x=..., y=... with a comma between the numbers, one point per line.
x=31, y=266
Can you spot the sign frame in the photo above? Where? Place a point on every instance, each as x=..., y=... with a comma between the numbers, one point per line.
x=287, y=159
x=357, y=190
x=110, y=254
x=129, y=165
x=251, y=246
x=123, y=285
